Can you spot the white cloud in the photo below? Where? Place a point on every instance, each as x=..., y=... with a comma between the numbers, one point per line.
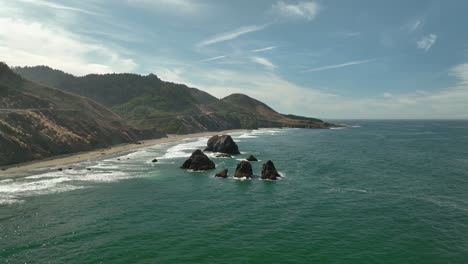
x=336, y=66
x=180, y=7
x=264, y=49
x=387, y=95
x=230, y=35
x=427, y=42
x=301, y=10
x=32, y=43
x=264, y=62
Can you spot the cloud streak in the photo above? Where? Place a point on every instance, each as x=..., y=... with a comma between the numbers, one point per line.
x=264, y=62
x=337, y=66
x=264, y=49
x=59, y=6
x=231, y=35
x=214, y=58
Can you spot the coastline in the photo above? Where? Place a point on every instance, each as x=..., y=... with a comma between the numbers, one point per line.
x=101, y=153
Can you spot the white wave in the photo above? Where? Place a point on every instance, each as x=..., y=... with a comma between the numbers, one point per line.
x=247, y=135
x=337, y=128
x=15, y=190
x=184, y=149
x=242, y=179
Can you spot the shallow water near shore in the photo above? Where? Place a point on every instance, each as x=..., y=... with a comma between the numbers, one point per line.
x=380, y=192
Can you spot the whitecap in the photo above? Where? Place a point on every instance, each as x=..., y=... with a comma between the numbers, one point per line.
x=184, y=149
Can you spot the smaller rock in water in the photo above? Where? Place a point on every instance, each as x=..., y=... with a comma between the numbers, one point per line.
x=222, y=174
x=70, y=168
x=243, y=169
x=118, y=159
x=155, y=160
x=222, y=155
x=198, y=161
x=269, y=171
x=88, y=169
x=252, y=158
x=60, y=169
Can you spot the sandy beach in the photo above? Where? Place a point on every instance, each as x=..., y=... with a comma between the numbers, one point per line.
x=100, y=153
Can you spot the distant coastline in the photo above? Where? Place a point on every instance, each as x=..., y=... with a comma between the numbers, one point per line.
x=62, y=160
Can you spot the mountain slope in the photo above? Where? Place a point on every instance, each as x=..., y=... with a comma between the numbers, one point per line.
x=267, y=117
x=150, y=103
x=38, y=122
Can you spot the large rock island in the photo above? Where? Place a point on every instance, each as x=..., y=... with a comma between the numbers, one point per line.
x=223, y=144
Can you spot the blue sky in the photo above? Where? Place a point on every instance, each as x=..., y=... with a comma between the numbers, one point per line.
x=323, y=58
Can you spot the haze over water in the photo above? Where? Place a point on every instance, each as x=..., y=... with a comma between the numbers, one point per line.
x=381, y=192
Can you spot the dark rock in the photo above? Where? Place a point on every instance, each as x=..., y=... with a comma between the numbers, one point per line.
x=118, y=159
x=3, y=169
x=222, y=155
x=155, y=160
x=223, y=144
x=60, y=169
x=70, y=168
x=243, y=169
x=252, y=158
x=88, y=168
x=198, y=161
x=269, y=171
x=222, y=174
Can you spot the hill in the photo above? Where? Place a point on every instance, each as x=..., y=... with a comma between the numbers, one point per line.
x=150, y=103
x=38, y=121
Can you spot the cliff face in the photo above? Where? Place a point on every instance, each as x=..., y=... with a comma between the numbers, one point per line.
x=150, y=103
x=38, y=122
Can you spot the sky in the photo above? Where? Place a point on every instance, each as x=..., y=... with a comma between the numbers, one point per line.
x=332, y=59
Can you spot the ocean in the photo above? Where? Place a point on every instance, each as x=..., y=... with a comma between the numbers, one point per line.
x=379, y=192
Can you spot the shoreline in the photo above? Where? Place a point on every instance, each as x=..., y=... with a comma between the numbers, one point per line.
x=66, y=159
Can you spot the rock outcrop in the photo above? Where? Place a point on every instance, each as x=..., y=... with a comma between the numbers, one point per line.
x=252, y=158
x=269, y=171
x=243, y=169
x=198, y=161
x=222, y=155
x=222, y=174
x=223, y=144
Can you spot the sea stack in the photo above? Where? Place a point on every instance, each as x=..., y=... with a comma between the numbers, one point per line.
x=223, y=144
x=269, y=171
x=198, y=161
x=222, y=174
x=243, y=169
x=252, y=158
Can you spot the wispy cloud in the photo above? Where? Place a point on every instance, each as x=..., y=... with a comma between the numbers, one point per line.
x=301, y=10
x=214, y=58
x=427, y=42
x=336, y=66
x=59, y=6
x=414, y=25
x=181, y=7
x=264, y=49
x=264, y=62
x=231, y=35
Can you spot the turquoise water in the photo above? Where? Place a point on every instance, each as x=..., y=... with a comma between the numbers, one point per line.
x=383, y=192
